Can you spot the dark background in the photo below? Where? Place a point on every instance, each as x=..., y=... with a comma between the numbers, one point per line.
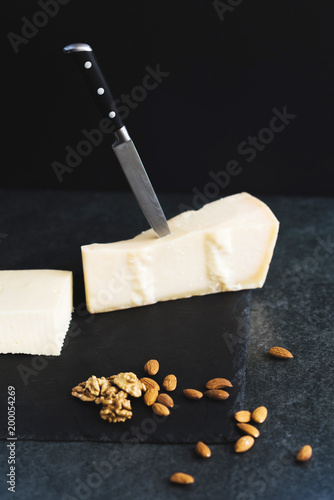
x=225, y=77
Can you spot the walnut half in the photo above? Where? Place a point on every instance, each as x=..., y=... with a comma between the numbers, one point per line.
x=94, y=389
x=117, y=409
x=128, y=382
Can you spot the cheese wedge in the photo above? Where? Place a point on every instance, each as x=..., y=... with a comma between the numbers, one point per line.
x=35, y=310
x=226, y=245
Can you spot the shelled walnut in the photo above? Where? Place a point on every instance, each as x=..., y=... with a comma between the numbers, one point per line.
x=128, y=382
x=93, y=389
x=117, y=409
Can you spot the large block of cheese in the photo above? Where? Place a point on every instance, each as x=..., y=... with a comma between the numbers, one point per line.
x=35, y=310
x=226, y=245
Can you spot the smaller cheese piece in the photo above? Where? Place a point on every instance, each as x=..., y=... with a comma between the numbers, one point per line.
x=226, y=245
x=35, y=310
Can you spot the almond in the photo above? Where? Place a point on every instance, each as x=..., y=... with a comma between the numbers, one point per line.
x=202, y=450
x=217, y=394
x=260, y=414
x=150, y=396
x=243, y=416
x=192, y=394
x=304, y=454
x=218, y=383
x=280, y=352
x=160, y=409
x=149, y=383
x=152, y=367
x=169, y=383
x=182, y=478
x=244, y=443
x=166, y=400
x=249, y=429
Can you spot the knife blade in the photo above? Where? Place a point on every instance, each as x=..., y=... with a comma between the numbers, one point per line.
x=123, y=147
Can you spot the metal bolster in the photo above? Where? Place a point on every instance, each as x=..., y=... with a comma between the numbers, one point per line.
x=77, y=47
x=122, y=135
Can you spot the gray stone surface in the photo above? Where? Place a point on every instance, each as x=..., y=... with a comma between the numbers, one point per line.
x=294, y=309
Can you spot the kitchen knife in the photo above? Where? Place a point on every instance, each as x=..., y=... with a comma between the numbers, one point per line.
x=123, y=147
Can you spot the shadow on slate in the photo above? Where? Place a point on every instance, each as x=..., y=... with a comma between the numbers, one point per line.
x=197, y=339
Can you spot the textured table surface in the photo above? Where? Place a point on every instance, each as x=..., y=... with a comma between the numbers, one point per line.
x=294, y=309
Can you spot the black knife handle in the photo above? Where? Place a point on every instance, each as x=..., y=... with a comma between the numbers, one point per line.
x=83, y=55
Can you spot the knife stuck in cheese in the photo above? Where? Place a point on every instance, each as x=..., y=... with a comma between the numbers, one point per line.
x=225, y=246
x=35, y=310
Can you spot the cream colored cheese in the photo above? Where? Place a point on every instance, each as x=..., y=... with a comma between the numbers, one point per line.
x=226, y=245
x=35, y=310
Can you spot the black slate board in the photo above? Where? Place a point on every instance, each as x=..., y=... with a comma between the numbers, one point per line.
x=197, y=338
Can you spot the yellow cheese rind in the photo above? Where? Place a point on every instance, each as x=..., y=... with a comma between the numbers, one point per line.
x=35, y=310
x=225, y=246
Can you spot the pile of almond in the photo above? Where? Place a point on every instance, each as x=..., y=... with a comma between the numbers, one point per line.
x=160, y=401
x=243, y=418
